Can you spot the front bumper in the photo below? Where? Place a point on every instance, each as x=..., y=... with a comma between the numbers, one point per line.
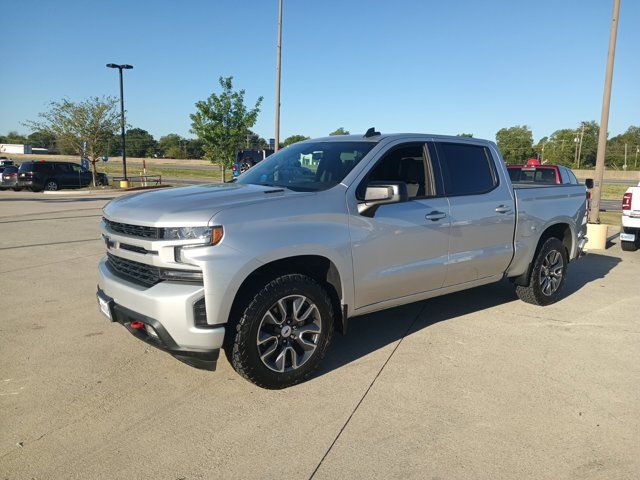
x=168, y=308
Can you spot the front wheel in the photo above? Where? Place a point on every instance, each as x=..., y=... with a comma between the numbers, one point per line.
x=548, y=274
x=283, y=334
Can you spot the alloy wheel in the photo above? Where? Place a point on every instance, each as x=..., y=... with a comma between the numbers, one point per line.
x=551, y=272
x=288, y=334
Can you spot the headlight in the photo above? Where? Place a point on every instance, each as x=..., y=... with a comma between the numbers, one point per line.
x=188, y=233
x=208, y=235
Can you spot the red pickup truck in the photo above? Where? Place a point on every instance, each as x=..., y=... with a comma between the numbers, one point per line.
x=535, y=172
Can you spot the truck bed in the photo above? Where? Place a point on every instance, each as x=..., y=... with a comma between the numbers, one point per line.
x=537, y=207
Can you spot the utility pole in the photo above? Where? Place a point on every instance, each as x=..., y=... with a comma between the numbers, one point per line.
x=278, y=75
x=594, y=211
x=625, y=156
x=580, y=145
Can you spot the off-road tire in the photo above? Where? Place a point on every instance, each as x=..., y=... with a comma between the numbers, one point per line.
x=241, y=347
x=533, y=292
x=629, y=246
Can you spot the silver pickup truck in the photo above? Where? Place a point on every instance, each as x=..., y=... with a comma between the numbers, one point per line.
x=267, y=267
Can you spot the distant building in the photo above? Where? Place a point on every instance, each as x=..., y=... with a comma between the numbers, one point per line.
x=15, y=148
x=39, y=151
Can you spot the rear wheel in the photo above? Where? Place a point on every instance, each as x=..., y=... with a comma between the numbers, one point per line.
x=548, y=274
x=51, y=185
x=283, y=334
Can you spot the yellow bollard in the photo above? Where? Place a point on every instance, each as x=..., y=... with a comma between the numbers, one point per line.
x=124, y=183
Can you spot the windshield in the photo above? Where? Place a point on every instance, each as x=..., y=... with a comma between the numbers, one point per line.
x=308, y=166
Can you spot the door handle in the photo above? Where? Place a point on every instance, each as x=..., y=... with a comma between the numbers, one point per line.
x=503, y=209
x=435, y=215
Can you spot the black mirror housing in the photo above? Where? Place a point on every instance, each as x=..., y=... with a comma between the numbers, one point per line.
x=588, y=183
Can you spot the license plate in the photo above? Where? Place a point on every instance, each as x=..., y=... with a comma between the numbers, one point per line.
x=104, y=307
x=628, y=237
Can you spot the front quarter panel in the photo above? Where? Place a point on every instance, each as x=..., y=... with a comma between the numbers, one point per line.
x=254, y=235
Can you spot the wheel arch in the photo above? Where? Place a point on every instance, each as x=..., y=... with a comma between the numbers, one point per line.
x=560, y=230
x=320, y=268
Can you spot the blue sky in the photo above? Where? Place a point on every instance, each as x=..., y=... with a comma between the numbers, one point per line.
x=402, y=65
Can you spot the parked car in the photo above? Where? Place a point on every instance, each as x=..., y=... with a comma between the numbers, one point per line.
x=630, y=235
x=245, y=159
x=268, y=266
x=9, y=177
x=41, y=175
x=535, y=172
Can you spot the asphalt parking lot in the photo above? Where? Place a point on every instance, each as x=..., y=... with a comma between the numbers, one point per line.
x=471, y=385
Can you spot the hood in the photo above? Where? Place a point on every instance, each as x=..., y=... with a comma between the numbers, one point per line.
x=193, y=205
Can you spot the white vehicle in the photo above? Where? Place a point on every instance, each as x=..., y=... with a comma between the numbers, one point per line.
x=630, y=236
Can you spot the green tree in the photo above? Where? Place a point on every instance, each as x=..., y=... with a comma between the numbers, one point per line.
x=615, y=148
x=194, y=148
x=340, y=131
x=42, y=139
x=140, y=143
x=13, y=137
x=515, y=143
x=91, y=123
x=466, y=135
x=222, y=123
x=172, y=145
x=293, y=139
x=256, y=142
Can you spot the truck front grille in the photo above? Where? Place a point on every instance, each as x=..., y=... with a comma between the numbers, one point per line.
x=152, y=233
x=135, y=272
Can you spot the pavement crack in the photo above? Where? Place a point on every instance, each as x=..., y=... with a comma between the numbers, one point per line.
x=366, y=392
x=52, y=243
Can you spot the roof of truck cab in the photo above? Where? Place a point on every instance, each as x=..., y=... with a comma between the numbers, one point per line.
x=395, y=136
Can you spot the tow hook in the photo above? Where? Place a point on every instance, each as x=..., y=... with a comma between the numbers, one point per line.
x=136, y=325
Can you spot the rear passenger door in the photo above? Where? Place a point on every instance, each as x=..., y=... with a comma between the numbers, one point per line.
x=482, y=212
x=63, y=175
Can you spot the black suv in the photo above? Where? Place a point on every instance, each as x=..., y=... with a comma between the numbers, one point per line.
x=41, y=175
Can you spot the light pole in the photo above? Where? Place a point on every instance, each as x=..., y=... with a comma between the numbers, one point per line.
x=125, y=182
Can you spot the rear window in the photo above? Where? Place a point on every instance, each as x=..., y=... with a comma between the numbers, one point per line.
x=514, y=174
x=26, y=167
x=545, y=175
x=35, y=167
x=467, y=169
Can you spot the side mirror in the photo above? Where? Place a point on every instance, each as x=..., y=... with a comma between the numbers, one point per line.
x=382, y=193
x=588, y=183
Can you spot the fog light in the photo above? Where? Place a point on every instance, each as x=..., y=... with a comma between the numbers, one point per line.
x=200, y=314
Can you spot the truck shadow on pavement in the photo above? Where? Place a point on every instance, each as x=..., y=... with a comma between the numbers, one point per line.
x=368, y=333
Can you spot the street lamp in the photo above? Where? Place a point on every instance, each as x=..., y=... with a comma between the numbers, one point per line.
x=124, y=153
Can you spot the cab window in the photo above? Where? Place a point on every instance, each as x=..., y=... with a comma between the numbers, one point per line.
x=408, y=163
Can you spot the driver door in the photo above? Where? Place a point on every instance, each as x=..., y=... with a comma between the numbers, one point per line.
x=402, y=249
